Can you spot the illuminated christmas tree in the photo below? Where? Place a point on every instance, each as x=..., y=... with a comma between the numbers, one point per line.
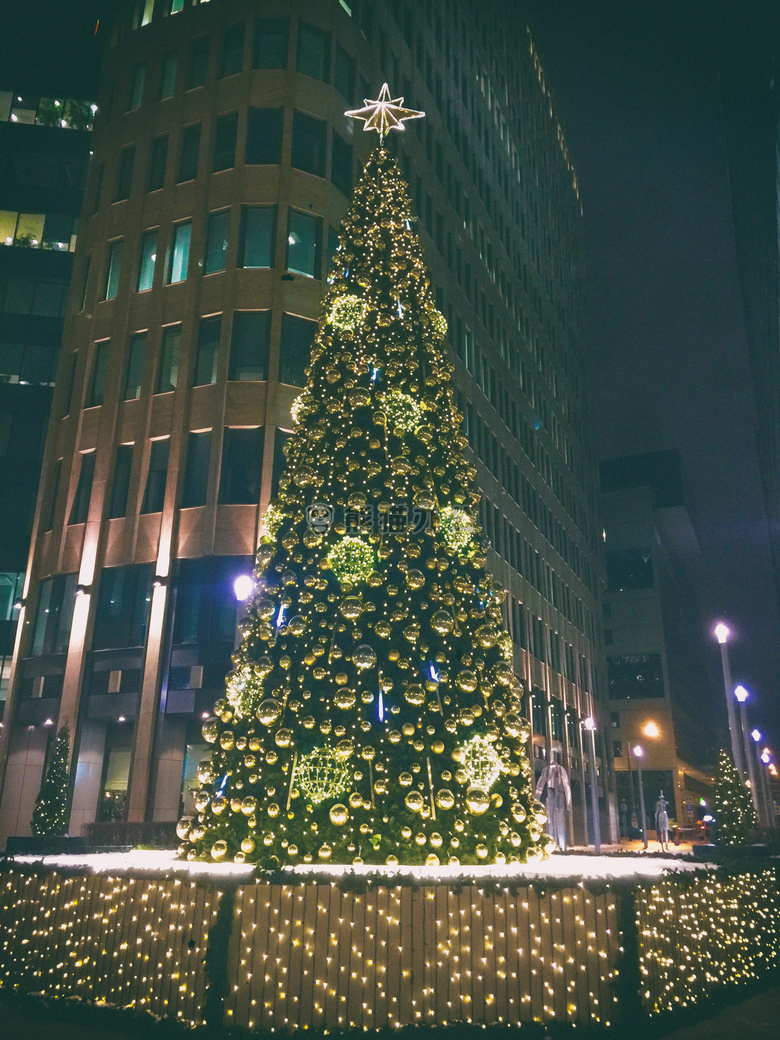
x=50, y=815
x=373, y=714
x=735, y=816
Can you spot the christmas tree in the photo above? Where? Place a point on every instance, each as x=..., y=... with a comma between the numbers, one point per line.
x=50, y=815
x=373, y=714
x=735, y=815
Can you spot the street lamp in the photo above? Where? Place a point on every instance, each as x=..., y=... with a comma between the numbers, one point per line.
x=590, y=725
x=722, y=633
x=243, y=586
x=652, y=730
x=757, y=736
x=742, y=695
x=638, y=753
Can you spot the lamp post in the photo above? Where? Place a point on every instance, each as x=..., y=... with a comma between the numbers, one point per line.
x=742, y=695
x=722, y=633
x=638, y=753
x=757, y=735
x=590, y=725
x=766, y=758
x=243, y=587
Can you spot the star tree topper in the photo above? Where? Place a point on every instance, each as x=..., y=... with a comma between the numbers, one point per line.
x=384, y=114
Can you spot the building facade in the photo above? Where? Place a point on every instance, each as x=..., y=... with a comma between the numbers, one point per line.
x=223, y=164
x=44, y=156
x=652, y=634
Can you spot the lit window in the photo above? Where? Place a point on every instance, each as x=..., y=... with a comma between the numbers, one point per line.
x=303, y=242
x=180, y=254
x=176, y=6
x=148, y=261
x=80, y=508
x=148, y=10
x=257, y=235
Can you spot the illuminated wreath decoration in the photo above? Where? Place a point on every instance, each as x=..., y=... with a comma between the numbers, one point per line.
x=244, y=689
x=402, y=411
x=321, y=776
x=480, y=762
x=272, y=520
x=347, y=313
x=352, y=559
x=457, y=528
x=439, y=324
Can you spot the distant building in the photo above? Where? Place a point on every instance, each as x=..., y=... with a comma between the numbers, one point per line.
x=652, y=636
x=44, y=155
x=223, y=166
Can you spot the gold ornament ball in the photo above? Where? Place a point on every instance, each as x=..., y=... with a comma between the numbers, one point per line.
x=482, y=851
x=445, y=799
x=269, y=712
x=247, y=846
x=477, y=801
x=219, y=850
x=249, y=806
x=339, y=814
x=414, y=801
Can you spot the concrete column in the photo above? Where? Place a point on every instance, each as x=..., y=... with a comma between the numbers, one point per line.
x=169, y=768
x=24, y=771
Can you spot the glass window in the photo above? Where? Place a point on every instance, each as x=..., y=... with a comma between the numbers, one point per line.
x=135, y=367
x=208, y=350
x=312, y=51
x=249, y=345
x=59, y=232
x=225, y=142
x=635, y=676
x=53, y=490
x=217, y=241
x=80, y=508
x=196, y=470
x=308, y=144
x=122, y=614
x=124, y=177
x=154, y=496
x=233, y=50
x=344, y=74
x=341, y=165
x=270, y=49
x=180, y=254
x=148, y=11
x=120, y=488
x=264, y=136
x=168, y=79
x=138, y=84
x=148, y=261
x=168, y=375
x=199, y=66
x=257, y=236
x=49, y=298
x=242, y=466
x=190, y=149
x=295, y=348
x=303, y=244
x=157, y=160
x=97, y=386
x=54, y=615
x=114, y=269
x=68, y=380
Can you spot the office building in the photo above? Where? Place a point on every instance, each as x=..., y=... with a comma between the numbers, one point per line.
x=223, y=164
x=653, y=640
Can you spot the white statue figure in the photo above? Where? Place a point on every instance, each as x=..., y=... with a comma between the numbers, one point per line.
x=662, y=821
x=556, y=779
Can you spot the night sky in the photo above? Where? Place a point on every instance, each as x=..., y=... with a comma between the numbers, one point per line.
x=637, y=88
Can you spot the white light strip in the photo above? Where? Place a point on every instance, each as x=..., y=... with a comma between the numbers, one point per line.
x=574, y=867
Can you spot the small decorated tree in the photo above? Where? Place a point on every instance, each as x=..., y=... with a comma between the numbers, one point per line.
x=373, y=714
x=735, y=815
x=50, y=815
